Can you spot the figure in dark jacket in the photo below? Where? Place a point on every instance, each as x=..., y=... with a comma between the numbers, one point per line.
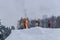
x=49, y=24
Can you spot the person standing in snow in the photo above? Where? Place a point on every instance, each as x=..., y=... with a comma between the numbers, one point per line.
x=26, y=23
x=49, y=24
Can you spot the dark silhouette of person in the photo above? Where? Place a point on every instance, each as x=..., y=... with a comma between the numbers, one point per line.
x=49, y=24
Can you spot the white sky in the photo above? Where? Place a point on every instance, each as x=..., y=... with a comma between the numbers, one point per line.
x=12, y=10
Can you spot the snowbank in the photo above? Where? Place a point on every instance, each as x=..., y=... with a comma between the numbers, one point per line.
x=35, y=34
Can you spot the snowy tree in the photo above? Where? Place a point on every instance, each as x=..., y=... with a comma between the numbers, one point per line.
x=58, y=22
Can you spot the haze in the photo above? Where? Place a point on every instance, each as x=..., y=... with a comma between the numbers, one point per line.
x=12, y=10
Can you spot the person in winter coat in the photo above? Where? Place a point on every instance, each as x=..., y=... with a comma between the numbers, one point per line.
x=49, y=24
x=26, y=23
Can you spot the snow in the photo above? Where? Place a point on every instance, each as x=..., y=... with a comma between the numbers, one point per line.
x=37, y=33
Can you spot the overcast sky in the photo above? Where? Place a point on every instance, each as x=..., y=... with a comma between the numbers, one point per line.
x=12, y=10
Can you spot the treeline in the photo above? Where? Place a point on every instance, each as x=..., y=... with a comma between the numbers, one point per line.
x=51, y=22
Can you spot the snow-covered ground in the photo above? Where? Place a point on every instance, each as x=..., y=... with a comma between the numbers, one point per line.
x=37, y=33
